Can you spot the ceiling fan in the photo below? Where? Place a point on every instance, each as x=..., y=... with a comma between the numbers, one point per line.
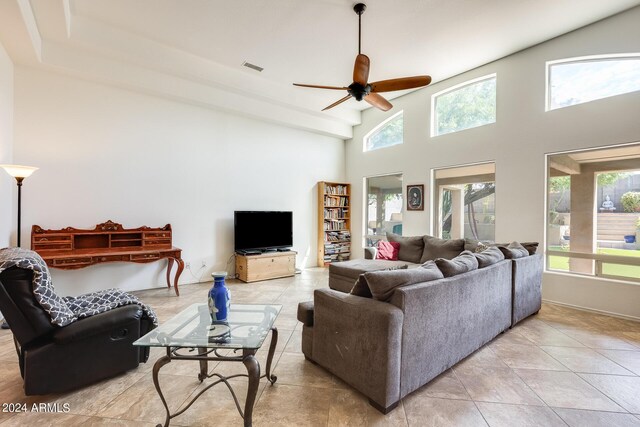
x=360, y=88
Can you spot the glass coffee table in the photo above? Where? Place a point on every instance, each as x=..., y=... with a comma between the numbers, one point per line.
x=190, y=335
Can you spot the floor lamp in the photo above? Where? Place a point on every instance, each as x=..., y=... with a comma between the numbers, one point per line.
x=19, y=173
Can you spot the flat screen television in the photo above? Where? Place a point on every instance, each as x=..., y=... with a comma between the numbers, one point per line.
x=262, y=230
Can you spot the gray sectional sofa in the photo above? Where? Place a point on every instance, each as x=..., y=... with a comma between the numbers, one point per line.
x=526, y=274
x=412, y=329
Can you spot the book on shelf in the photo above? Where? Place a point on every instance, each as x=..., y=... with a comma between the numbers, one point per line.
x=336, y=189
x=343, y=235
x=336, y=201
x=336, y=257
x=338, y=213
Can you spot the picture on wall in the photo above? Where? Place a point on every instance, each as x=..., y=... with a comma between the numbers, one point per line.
x=415, y=197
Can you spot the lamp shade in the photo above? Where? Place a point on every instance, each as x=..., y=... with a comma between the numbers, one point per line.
x=18, y=171
x=396, y=216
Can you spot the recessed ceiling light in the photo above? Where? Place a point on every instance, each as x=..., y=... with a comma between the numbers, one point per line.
x=252, y=66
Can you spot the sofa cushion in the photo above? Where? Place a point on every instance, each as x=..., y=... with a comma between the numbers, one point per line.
x=388, y=250
x=514, y=251
x=532, y=247
x=475, y=245
x=488, y=257
x=463, y=263
x=441, y=248
x=354, y=268
x=411, y=248
x=382, y=284
x=361, y=288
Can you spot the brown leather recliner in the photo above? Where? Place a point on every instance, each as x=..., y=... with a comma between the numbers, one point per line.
x=57, y=359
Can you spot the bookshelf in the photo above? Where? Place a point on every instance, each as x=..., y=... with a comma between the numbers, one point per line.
x=334, y=222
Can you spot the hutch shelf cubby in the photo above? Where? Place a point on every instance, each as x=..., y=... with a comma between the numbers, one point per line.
x=334, y=222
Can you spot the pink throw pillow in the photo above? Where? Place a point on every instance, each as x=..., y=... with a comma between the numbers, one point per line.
x=388, y=250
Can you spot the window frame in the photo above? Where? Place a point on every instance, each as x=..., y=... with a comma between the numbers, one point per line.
x=593, y=256
x=454, y=88
x=365, y=203
x=575, y=60
x=379, y=127
x=435, y=226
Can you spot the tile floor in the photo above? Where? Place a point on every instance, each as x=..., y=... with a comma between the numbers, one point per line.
x=561, y=367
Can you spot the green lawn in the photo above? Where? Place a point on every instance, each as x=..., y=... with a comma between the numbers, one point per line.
x=632, y=271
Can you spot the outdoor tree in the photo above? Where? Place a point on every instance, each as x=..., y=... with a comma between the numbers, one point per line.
x=468, y=107
x=390, y=134
x=472, y=193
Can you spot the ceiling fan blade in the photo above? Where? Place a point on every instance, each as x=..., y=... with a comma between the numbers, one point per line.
x=340, y=101
x=378, y=101
x=322, y=87
x=361, y=70
x=400, y=84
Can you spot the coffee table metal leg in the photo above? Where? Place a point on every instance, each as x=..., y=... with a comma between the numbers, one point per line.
x=253, y=369
x=156, y=369
x=272, y=349
x=204, y=364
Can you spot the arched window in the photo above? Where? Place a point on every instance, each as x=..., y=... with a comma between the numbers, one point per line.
x=386, y=134
x=464, y=106
x=577, y=80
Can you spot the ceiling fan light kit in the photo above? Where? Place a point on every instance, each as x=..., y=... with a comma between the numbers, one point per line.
x=361, y=89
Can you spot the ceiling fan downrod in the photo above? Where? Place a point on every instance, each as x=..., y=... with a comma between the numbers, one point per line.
x=359, y=9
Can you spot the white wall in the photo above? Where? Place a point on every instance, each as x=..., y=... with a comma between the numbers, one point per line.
x=517, y=142
x=106, y=153
x=7, y=183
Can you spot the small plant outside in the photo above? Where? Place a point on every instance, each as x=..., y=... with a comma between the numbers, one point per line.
x=631, y=201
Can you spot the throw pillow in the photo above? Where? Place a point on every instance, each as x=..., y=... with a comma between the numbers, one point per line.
x=361, y=288
x=382, y=284
x=489, y=257
x=464, y=262
x=441, y=248
x=388, y=250
x=410, y=247
x=532, y=247
x=514, y=250
x=471, y=245
x=475, y=245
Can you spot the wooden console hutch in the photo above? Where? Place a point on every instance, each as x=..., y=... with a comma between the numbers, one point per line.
x=72, y=248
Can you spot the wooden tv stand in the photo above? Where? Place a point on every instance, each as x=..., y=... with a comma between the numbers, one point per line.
x=72, y=248
x=269, y=265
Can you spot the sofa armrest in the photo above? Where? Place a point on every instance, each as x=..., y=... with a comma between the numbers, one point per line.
x=112, y=322
x=359, y=340
x=370, y=252
x=305, y=313
x=527, y=287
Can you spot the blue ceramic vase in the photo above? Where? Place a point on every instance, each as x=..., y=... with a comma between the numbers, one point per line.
x=219, y=298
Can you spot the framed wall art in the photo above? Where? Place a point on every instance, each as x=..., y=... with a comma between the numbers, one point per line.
x=415, y=197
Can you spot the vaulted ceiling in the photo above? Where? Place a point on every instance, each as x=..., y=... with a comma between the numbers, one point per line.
x=193, y=50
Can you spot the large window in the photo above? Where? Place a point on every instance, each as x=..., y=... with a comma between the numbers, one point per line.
x=384, y=207
x=465, y=106
x=386, y=134
x=466, y=202
x=578, y=80
x=593, y=220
